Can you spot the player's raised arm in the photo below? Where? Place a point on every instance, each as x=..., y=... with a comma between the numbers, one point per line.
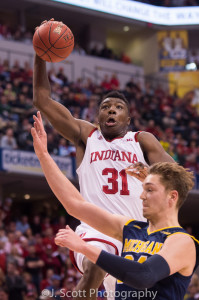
x=68, y=195
x=152, y=149
x=60, y=117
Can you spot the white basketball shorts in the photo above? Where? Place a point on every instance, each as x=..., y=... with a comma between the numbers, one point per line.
x=97, y=239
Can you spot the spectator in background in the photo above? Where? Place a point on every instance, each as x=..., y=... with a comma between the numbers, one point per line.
x=54, y=78
x=55, y=287
x=23, y=224
x=24, y=138
x=153, y=128
x=3, y=237
x=5, y=32
x=79, y=50
x=95, y=50
x=2, y=257
x=50, y=260
x=47, y=280
x=63, y=148
x=3, y=293
x=15, y=257
x=2, y=278
x=106, y=52
x=14, y=282
x=62, y=76
x=48, y=238
x=125, y=58
x=60, y=224
x=105, y=84
x=36, y=225
x=114, y=82
x=53, y=143
x=8, y=140
x=34, y=265
x=5, y=207
x=89, y=113
x=12, y=242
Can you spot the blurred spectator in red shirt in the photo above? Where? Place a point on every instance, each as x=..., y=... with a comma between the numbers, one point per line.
x=105, y=84
x=114, y=82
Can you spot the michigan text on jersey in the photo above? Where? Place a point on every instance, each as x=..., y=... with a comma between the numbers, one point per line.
x=137, y=246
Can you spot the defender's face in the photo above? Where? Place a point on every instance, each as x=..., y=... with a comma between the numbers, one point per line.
x=154, y=197
x=113, y=117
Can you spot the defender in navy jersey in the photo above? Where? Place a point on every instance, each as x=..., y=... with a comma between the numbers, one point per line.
x=160, y=247
x=138, y=245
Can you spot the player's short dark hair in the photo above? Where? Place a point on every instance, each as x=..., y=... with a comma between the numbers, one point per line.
x=115, y=94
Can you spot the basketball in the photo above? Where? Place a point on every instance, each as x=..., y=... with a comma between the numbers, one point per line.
x=53, y=41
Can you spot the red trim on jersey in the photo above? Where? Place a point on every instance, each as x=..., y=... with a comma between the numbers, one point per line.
x=71, y=253
x=136, y=139
x=93, y=130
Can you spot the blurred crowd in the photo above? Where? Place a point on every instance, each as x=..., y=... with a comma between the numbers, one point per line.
x=18, y=33
x=31, y=265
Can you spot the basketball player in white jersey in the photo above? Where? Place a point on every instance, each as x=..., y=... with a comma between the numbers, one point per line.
x=102, y=156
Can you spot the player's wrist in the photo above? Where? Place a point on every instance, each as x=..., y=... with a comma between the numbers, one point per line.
x=43, y=156
x=84, y=248
x=91, y=252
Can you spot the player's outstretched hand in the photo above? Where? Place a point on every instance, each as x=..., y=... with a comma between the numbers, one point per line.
x=39, y=136
x=137, y=170
x=69, y=239
x=45, y=21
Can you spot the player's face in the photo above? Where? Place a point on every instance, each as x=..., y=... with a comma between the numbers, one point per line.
x=154, y=197
x=113, y=118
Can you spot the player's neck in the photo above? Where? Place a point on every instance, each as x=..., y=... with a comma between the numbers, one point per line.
x=164, y=221
x=110, y=136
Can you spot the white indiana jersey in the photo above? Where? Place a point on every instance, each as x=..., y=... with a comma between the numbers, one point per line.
x=102, y=177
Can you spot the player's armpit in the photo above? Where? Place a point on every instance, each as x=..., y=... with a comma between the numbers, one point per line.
x=152, y=149
x=180, y=253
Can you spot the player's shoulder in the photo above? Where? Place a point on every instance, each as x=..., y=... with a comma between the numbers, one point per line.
x=86, y=128
x=148, y=141
x=144, y=135
x=179, y=234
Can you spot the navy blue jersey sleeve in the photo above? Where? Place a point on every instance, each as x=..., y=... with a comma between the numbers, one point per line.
x=151, y=271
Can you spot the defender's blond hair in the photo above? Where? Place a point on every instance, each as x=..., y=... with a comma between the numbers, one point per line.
x=174, y=177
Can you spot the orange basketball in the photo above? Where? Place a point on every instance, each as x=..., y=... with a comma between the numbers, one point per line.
x=53, y=41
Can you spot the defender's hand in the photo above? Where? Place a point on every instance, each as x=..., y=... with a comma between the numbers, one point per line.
x=39, y=136
x=69, y=239
x=137, y=170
